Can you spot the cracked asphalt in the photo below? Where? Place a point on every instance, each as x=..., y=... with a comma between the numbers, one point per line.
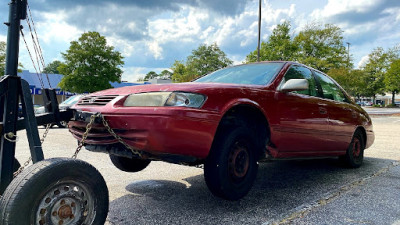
x=285, y=192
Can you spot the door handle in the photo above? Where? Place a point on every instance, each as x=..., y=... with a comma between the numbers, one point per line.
x=322, y=110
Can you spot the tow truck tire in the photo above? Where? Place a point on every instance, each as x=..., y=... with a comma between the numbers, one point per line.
x=56, y=191
x=231, y=167
x=128, y=164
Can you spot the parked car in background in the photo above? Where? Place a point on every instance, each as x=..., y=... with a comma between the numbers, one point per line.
x=361, y=103
x=62, y=106
x=368, y=103
x=228, y=120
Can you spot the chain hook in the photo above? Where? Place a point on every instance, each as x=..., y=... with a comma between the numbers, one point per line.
x=8, y=136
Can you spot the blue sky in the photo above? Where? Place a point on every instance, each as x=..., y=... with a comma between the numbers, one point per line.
x=152, y=34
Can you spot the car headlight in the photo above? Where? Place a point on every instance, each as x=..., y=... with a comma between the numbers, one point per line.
x=184, y=99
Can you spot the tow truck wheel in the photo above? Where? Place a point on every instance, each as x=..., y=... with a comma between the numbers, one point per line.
x=56, y=191
x=128, y=164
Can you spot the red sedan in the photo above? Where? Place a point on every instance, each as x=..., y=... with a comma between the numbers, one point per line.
x=227, y=120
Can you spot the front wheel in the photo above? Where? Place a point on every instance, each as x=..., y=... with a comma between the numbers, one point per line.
x=355, y=152
x=56, y=191
x=128, y=164
x=231, y=167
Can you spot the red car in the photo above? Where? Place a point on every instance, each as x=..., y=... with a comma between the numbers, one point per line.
x=228, y=120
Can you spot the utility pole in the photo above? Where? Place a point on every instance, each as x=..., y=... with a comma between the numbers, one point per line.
x=348, y=52
x=259, y=30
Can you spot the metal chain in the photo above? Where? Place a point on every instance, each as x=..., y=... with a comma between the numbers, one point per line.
x=26, y=163
x=85, y=135
x=105, y=123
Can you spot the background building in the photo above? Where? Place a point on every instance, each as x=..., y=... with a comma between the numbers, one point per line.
x=54, y=79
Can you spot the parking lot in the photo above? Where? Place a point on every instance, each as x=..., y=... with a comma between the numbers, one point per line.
x=287, y=192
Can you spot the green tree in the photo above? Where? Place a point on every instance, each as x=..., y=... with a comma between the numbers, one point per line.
x=353, y=81
x=207, y=58
x=392, y=79
x=52, y=68
x=375, y=68
x=3, y=59
x=150, y=75
x=90, y=64
x=279, y=46
x=182, y=73
x=165, y=74
x=322, y=47
x=203, y=60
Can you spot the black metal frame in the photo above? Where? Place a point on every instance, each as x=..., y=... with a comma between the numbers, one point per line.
x=13, y=90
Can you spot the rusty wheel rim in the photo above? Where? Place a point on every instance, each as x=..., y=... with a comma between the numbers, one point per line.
x=239, y=161
x=66, y=203
x=356, y=147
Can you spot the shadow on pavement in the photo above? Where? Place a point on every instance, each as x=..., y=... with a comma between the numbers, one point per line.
x=280, y=188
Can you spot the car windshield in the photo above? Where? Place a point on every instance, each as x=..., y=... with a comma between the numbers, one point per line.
x=71, y=100
x=258, y=74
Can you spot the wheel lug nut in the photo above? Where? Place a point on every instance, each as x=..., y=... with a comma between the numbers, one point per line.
x=54, y=213
x=62, y=202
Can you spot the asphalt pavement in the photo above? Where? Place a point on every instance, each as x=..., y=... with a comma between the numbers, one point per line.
x=285, y=192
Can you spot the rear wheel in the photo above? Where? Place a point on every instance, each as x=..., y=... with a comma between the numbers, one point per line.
x=128, y=164
x=355, y=152
x=231, y=167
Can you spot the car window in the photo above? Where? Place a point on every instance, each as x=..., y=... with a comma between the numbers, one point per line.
x=258, y=74
x=299, y=72
x=329, y=89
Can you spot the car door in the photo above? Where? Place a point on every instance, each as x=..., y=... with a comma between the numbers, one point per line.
x=303, y=122
x=341, y=114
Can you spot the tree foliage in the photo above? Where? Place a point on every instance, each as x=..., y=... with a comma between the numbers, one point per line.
x=52, y=68
x=375, y=69
x=279, y=46
x=320, y=47
x=2, y=56
x=3, y=48
x=165, y=74
x=150, y=75
x=90, y=64
x=203, y=60
x=392, y=79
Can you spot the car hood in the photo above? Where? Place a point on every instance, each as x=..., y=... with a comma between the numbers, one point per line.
x=186, y=87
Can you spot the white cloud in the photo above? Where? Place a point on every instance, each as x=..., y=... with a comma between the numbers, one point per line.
x=395, y=12
x=3, y=38
x=363, y=61
x=335, y=7
x=155, y=48
x=54, y=28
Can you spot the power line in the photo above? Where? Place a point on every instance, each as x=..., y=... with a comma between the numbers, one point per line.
x=34, y=65
x=38, y=44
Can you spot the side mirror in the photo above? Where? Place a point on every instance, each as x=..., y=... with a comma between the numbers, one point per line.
x=295, y=85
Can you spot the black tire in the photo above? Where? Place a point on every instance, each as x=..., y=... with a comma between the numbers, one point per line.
x=128, y=164
x=231, y=167
x=53, y=190
x=355, y=152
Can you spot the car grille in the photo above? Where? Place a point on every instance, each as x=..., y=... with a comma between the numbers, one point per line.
x=96, y=100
